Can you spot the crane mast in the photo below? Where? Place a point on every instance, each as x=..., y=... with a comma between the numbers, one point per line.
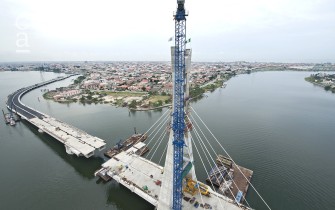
x=178, y=125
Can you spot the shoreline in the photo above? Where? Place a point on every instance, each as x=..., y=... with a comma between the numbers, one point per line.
x=151, y=108
x=135, y=101
x=131, y=100
x=327, y=87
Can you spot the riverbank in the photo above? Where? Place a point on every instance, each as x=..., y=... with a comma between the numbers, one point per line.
x=132, y=100
x=326, y=81
x=151, y=108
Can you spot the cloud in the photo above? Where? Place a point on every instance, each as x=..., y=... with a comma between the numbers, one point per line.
x=239, y=30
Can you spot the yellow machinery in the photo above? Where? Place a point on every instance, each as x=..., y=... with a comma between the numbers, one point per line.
x=192, y=187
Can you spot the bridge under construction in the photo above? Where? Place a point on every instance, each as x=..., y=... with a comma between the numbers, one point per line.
x=173, y=184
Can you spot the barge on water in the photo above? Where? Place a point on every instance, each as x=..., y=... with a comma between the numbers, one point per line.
x=128, y=143
x=10, y=118
x=231, y=179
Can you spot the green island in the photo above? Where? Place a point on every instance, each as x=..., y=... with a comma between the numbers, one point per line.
x=327, y=81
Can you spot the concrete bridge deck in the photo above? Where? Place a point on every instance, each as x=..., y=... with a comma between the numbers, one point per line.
x=146, y=179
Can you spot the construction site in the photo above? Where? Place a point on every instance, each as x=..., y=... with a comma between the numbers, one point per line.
x=174, y=184
x=178, y=136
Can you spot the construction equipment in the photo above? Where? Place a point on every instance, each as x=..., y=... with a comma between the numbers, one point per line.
x=12, y=118
x=192, y=187
x=178, y=122
x=224, y=161
x=186, y=169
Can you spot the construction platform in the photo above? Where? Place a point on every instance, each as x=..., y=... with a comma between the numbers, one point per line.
x=241, y=183
x=11, y=119
x=125, y=145
x=231, y=179
x=138, y=174
x=144, y=177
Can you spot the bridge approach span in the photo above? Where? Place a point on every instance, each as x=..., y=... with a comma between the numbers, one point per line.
x=75, y=140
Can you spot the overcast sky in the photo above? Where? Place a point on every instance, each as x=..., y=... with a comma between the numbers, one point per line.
x=138, y=30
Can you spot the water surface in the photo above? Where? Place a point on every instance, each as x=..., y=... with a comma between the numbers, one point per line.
x=274, y=123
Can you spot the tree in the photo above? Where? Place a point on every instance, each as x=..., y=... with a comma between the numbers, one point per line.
x=56, y=70
x=196, y=91
x=79, y=79
x=327, y=87
x=132, y=104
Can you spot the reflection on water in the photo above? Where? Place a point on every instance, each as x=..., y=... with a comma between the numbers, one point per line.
x=121, y=198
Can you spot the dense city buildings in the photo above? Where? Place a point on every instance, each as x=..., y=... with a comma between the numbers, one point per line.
x=145, y=85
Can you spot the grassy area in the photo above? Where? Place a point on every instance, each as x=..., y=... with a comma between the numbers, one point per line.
x=156, y=98
x=310, y=79
x=48, y=95
x=196, y=91
x=213, y=86
x=122, y=94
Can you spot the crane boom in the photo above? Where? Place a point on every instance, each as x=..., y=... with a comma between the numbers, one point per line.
x=178, y=103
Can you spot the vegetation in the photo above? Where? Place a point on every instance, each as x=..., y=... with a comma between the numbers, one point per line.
x=319, y=78
x=153, y=93
x=310, y=79
x=210, y=87
x=327, y=87
x=133, y=104
x=121, y=94
x=158, y=103
x=151, y=99
x=79, y=79
x=196, y=91
x=49, y=95
x=49, y=69
x=157, y=98
x=168, y=101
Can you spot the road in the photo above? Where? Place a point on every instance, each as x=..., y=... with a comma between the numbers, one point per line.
x=14, y=100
